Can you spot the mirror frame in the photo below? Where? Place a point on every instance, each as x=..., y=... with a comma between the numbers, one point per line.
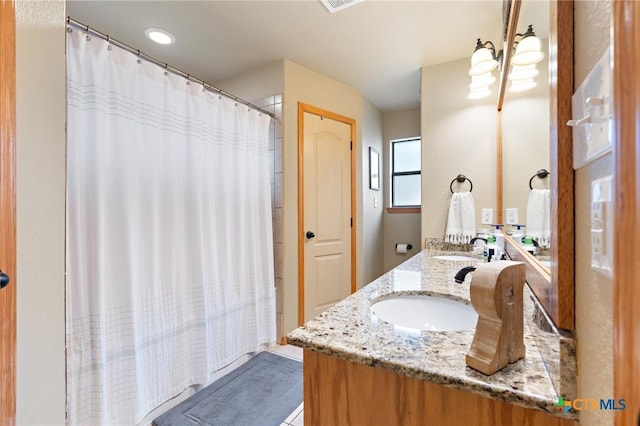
x=554, y=288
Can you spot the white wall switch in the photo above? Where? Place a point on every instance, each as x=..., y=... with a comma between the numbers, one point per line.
x=487, y=216
x=375, y=202
x=512, y=216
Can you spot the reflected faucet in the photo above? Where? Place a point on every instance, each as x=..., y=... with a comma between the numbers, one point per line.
x=462, y=273
x=473, y=240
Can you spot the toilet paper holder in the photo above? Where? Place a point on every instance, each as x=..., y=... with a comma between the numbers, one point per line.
x=409, y=246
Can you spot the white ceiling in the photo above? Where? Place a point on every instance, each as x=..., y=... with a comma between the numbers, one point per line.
x=376, y=46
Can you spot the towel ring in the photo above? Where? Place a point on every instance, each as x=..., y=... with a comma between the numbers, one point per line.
x=460, y=179
x=542, y=173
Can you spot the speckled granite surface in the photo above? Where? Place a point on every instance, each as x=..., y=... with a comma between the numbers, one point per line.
x=350, y=331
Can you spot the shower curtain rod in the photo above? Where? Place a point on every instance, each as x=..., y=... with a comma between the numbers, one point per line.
x=80, y=26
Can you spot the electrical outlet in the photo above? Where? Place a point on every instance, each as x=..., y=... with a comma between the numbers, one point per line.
x=512, y=216
x=602, y=225
x=596, y=248
x=487, y=216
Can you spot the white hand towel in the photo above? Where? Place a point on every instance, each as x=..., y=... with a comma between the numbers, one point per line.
x=539, y=216
x=461, y=222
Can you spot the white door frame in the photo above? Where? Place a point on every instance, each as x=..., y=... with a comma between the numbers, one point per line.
x=302, y=108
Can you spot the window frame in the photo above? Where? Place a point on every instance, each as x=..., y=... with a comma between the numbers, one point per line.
x=401, y=208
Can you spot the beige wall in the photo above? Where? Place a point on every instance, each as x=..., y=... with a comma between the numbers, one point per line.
x=309, y=87
x=258, y=83
x=458, y=137
x=594, y=292
x=303, y=85
x=525, y=141
x=372, y=201
x=41, y=212
x=405, y=227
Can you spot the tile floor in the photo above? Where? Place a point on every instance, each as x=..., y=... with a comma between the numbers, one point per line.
x=297, y=417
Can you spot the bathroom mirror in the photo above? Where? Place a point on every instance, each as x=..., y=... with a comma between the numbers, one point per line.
x=552, y=285
x=525, y=139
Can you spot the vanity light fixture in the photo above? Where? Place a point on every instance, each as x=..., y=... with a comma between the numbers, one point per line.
x=159, y=36
x=480, y=93
x=485, y=59
x=523, y=72
x=528, y=49
x=521, y=85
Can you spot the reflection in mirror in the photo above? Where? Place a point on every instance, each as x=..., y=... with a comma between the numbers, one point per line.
x=525, y=143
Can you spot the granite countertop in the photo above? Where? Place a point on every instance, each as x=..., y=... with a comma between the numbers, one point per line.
x=350, y=331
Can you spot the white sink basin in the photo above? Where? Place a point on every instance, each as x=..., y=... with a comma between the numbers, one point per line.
x=423, y=312
x=457, y=258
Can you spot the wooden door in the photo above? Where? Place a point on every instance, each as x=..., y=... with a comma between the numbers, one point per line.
x=7, y=212
x=327, y=212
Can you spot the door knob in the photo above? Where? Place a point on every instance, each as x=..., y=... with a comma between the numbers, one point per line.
x=4, y=279
x=310, y=234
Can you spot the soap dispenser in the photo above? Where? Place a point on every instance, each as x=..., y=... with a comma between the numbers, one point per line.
x=529, y=245
x=518, y=234
x=499, y=236
x=490, y=249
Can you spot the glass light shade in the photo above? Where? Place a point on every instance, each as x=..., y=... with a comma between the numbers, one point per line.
x=528, y=51
x=479, y=93
x=523, y=72
x=521, y=85
x=482, y=81
x=482, y=62
x=160, y=36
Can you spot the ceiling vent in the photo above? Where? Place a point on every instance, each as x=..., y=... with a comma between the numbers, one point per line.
x=338, y=5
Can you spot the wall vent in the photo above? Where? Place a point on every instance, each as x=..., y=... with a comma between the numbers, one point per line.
x=338, y=5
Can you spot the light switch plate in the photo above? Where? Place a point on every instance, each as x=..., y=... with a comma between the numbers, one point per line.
x=487, y=216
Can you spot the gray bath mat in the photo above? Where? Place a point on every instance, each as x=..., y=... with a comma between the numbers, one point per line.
x=261, y=392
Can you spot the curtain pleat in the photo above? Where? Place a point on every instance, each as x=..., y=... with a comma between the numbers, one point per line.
x=169, y=234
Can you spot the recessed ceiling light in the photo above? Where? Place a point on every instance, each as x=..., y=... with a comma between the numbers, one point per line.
x=159, y=36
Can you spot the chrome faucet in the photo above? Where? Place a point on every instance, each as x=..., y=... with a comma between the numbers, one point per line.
x=462, y=273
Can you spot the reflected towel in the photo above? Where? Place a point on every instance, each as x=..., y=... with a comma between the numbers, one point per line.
x=461, y=222
x=539, y=216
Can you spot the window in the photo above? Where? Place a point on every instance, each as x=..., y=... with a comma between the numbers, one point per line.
x=405, y=173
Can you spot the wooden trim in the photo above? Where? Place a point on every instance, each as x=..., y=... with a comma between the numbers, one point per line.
x=301, y=231
x=395, y=210
x=339, y=392
x=499, y=170
x=8, y=212
x=626, y=154
x=538, y=276
x=302, y=108
x=561, y=307
x=514, y=14
x=556, y=291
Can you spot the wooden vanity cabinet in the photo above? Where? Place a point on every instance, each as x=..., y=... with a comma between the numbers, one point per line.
x=343, y=393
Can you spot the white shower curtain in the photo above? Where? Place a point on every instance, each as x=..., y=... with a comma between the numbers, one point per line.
x=169, y=237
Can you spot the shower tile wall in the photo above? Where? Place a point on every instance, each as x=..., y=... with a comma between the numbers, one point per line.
x=274, y=104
